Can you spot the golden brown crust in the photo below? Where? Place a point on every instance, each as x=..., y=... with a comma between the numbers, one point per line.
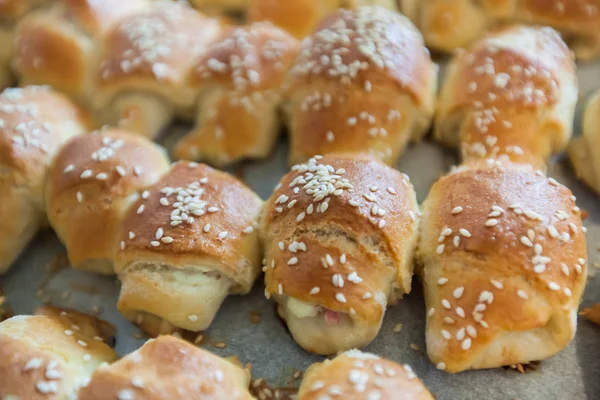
x=364, y=82
x=93, y=180
x=452, y=24
x=503, y=250
x=12, y=10
x=298, y=17
x=169, y=368
x=152, y=51
x=592, y=313
x=221, y=229
x=46, y=357
x=371, y=205
x=511, y=96
x=238, y=102
x=34, y=123
x=354, y=375
x=55, y=46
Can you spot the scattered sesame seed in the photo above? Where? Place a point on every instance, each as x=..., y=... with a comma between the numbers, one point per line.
x=522, y=294
x=442, y=281
x=457, y=210
x=315, y=290
x=340, y=297
x=458, y=292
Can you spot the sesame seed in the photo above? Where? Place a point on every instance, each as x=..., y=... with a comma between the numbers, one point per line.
x=491, y=222
x=446, y=304
x=457, y=210
x=497, y=284
x=300, y=217
x=280, y=289
x=526, y=241
x=167, y=239
x=140, y=209
x=69, y=168
x=86, y=174
x=206, y=228
x=466, y=344
x=460, y=334
x=79, y=197
x=34, y=363
x=465, y=232
x=446, y=334
x=458, y=292
x=522, y=294
x=145, y=194
x=340, y=297
x=460, y=312
x=122, y=245
x=448, y=320
x=367, y=296
x=431, y=312
x=441, y=366
x=456, y=241
x=315, y=290
x=567, y=292
x=293, y=261
x=126, y=394
x=554, y=286
x=223, y=235
x=343, y=259
x=154, y=243
x=193, y=318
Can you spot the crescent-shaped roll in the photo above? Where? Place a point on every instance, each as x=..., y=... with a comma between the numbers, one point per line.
x=301, y=17
x=239, y=81
x=452, y=24
x=339, y=234
x=169, y=368
x=11, y=11
x=92, y=182
x=34, y=123
x=355, y=375
x=584, y=151
x=47, y=357
x=363, y=82
x=185, y=246
x=512, y=96
x=56, y=45
x=144, y=62
x=503, y=252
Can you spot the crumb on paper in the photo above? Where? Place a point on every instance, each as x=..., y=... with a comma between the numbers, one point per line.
x=220, y=345
x=592, y=314
x=414, y=347
x=297, y=374
x=397, y=328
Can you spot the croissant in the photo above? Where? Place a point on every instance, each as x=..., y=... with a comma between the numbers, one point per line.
x=43, y=356
x=92, y=182
x=145, y=60
x=355, y=375
x=339, y=234
x=34, y=123
x=363, y=82
x=503, y=252
x=239, y=79
x=186, y=245
x=511, y=96
x=452, y=24
x=169, y=368
x=57, y=45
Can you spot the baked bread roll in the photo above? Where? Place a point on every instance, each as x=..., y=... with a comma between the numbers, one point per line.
x=11, y=11
x=339, y=234
x=145, y=60
x=451, y=24
x=584, y=151
x=364, y=82
x=169, y=368
x=92, y=182
x=511, y=96
x=34, y=123
x=47, y=357
x=238, y=105
x=301, y=17
x=355, y=375
x=504, y=267
x=185, y=246
x=56, y=45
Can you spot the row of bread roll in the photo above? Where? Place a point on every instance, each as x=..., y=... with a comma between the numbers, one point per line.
x=364, y=80
x=182, y=236
x=63, y=356
x=452, y=24
x=502, y=247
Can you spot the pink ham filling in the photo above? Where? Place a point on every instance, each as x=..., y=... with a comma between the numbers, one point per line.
x=331, y=317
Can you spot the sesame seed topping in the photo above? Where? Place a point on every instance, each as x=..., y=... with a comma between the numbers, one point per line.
x=440, y=249
x=466, y=344
x=340, y=297
x=315, y=290
x=465, y=232
x=497, y=284
x=457, y=210
x=442, y=281
x=522, y=294
x=458, y=292
x=293, y=261
x=446, y=304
